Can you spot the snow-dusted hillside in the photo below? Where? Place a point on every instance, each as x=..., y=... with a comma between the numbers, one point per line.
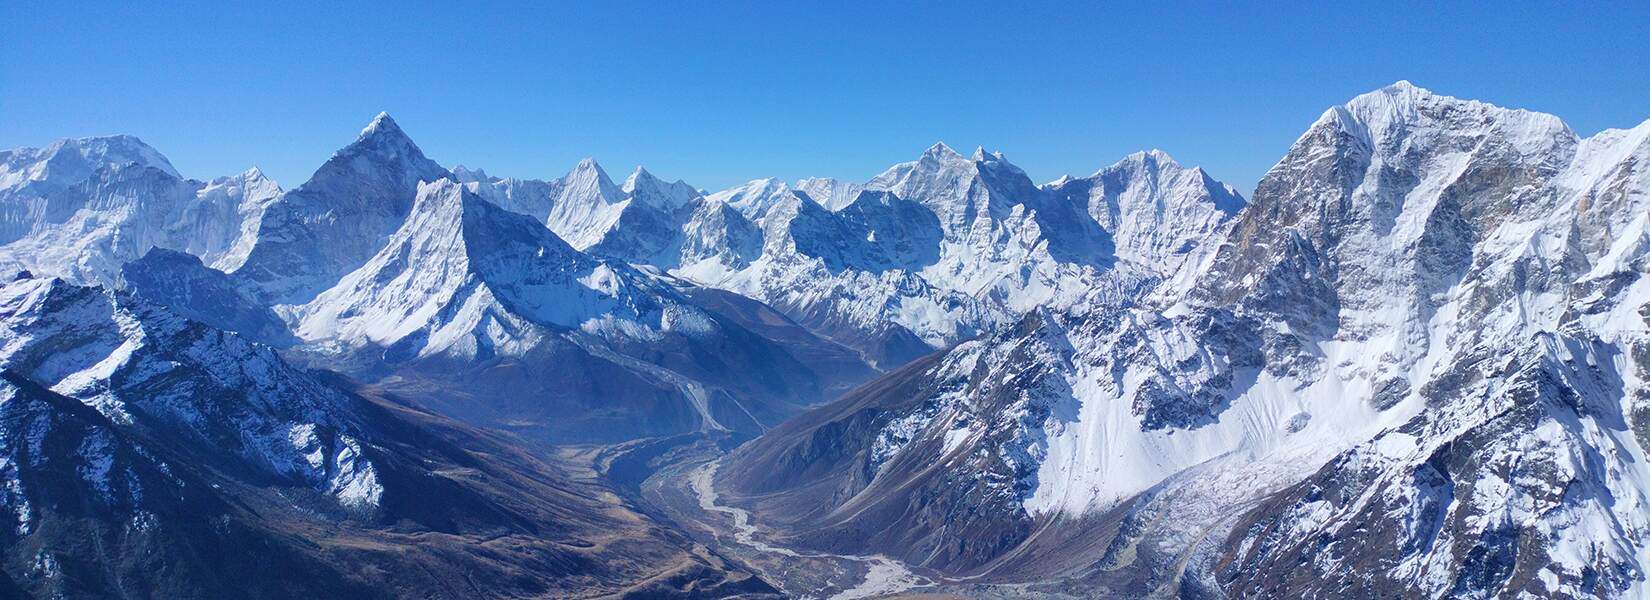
x=1414, y=365
x=144, y=452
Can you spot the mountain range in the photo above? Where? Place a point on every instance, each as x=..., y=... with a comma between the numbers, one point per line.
x=1413, y=363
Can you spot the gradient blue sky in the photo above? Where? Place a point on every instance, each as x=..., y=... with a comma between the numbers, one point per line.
x=720, y=92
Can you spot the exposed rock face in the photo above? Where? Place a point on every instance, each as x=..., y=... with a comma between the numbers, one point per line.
x=1413, y=364
x=309, y=238
x=145, y=453
x=1521, y=473
x=179, y=281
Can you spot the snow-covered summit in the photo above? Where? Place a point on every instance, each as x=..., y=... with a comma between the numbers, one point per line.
x=80, y=207
x=754, y=198
x=945, y=246
x=586, y=206
x=459, y=264
x=311, y=236
x=381, y=124
x=69, y=161
x=1403, y=109
x=829, y=192
x=654, y=192
x=1413, y=364
x=1156, y=210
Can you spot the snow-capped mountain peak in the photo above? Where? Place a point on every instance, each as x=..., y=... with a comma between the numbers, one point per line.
x=252, y=179
x=456, y=250
x=1404, y=109
x=1149, y=160
x=753, y=199
x=1156, y=210
x=328, y=226
x=255, y=174
x=958, y=190
x=587, y=205
x=942, y=152
x=589, y=179
x=654, y=192
x=381, y=124
x=982, y=155
x=465, y=174
x=830, y=192
x=383, y=142
x=69, y=161
x=79, y=208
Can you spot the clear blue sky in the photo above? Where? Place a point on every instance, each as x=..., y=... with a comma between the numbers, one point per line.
x=720, y=92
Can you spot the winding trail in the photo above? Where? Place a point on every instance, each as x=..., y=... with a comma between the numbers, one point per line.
x=883, y=575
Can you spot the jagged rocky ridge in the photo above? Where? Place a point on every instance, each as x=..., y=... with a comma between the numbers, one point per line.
x=1414, y=364
x=143, y=454
x=487, y=314
x=81, y=208
x=445, y=297
x=946, y=247
x=924, y=255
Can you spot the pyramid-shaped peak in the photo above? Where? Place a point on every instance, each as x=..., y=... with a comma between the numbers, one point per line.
x=590, y=172
x=587, y=183
x=651, y=190
x=941, y=151
x=589, y=165
x=390, y=154
x=640, y=176
x=383, y=138
x=981, y=155
x=381, y=125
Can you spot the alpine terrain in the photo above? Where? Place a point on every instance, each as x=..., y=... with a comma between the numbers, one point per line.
x=1414, y=362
